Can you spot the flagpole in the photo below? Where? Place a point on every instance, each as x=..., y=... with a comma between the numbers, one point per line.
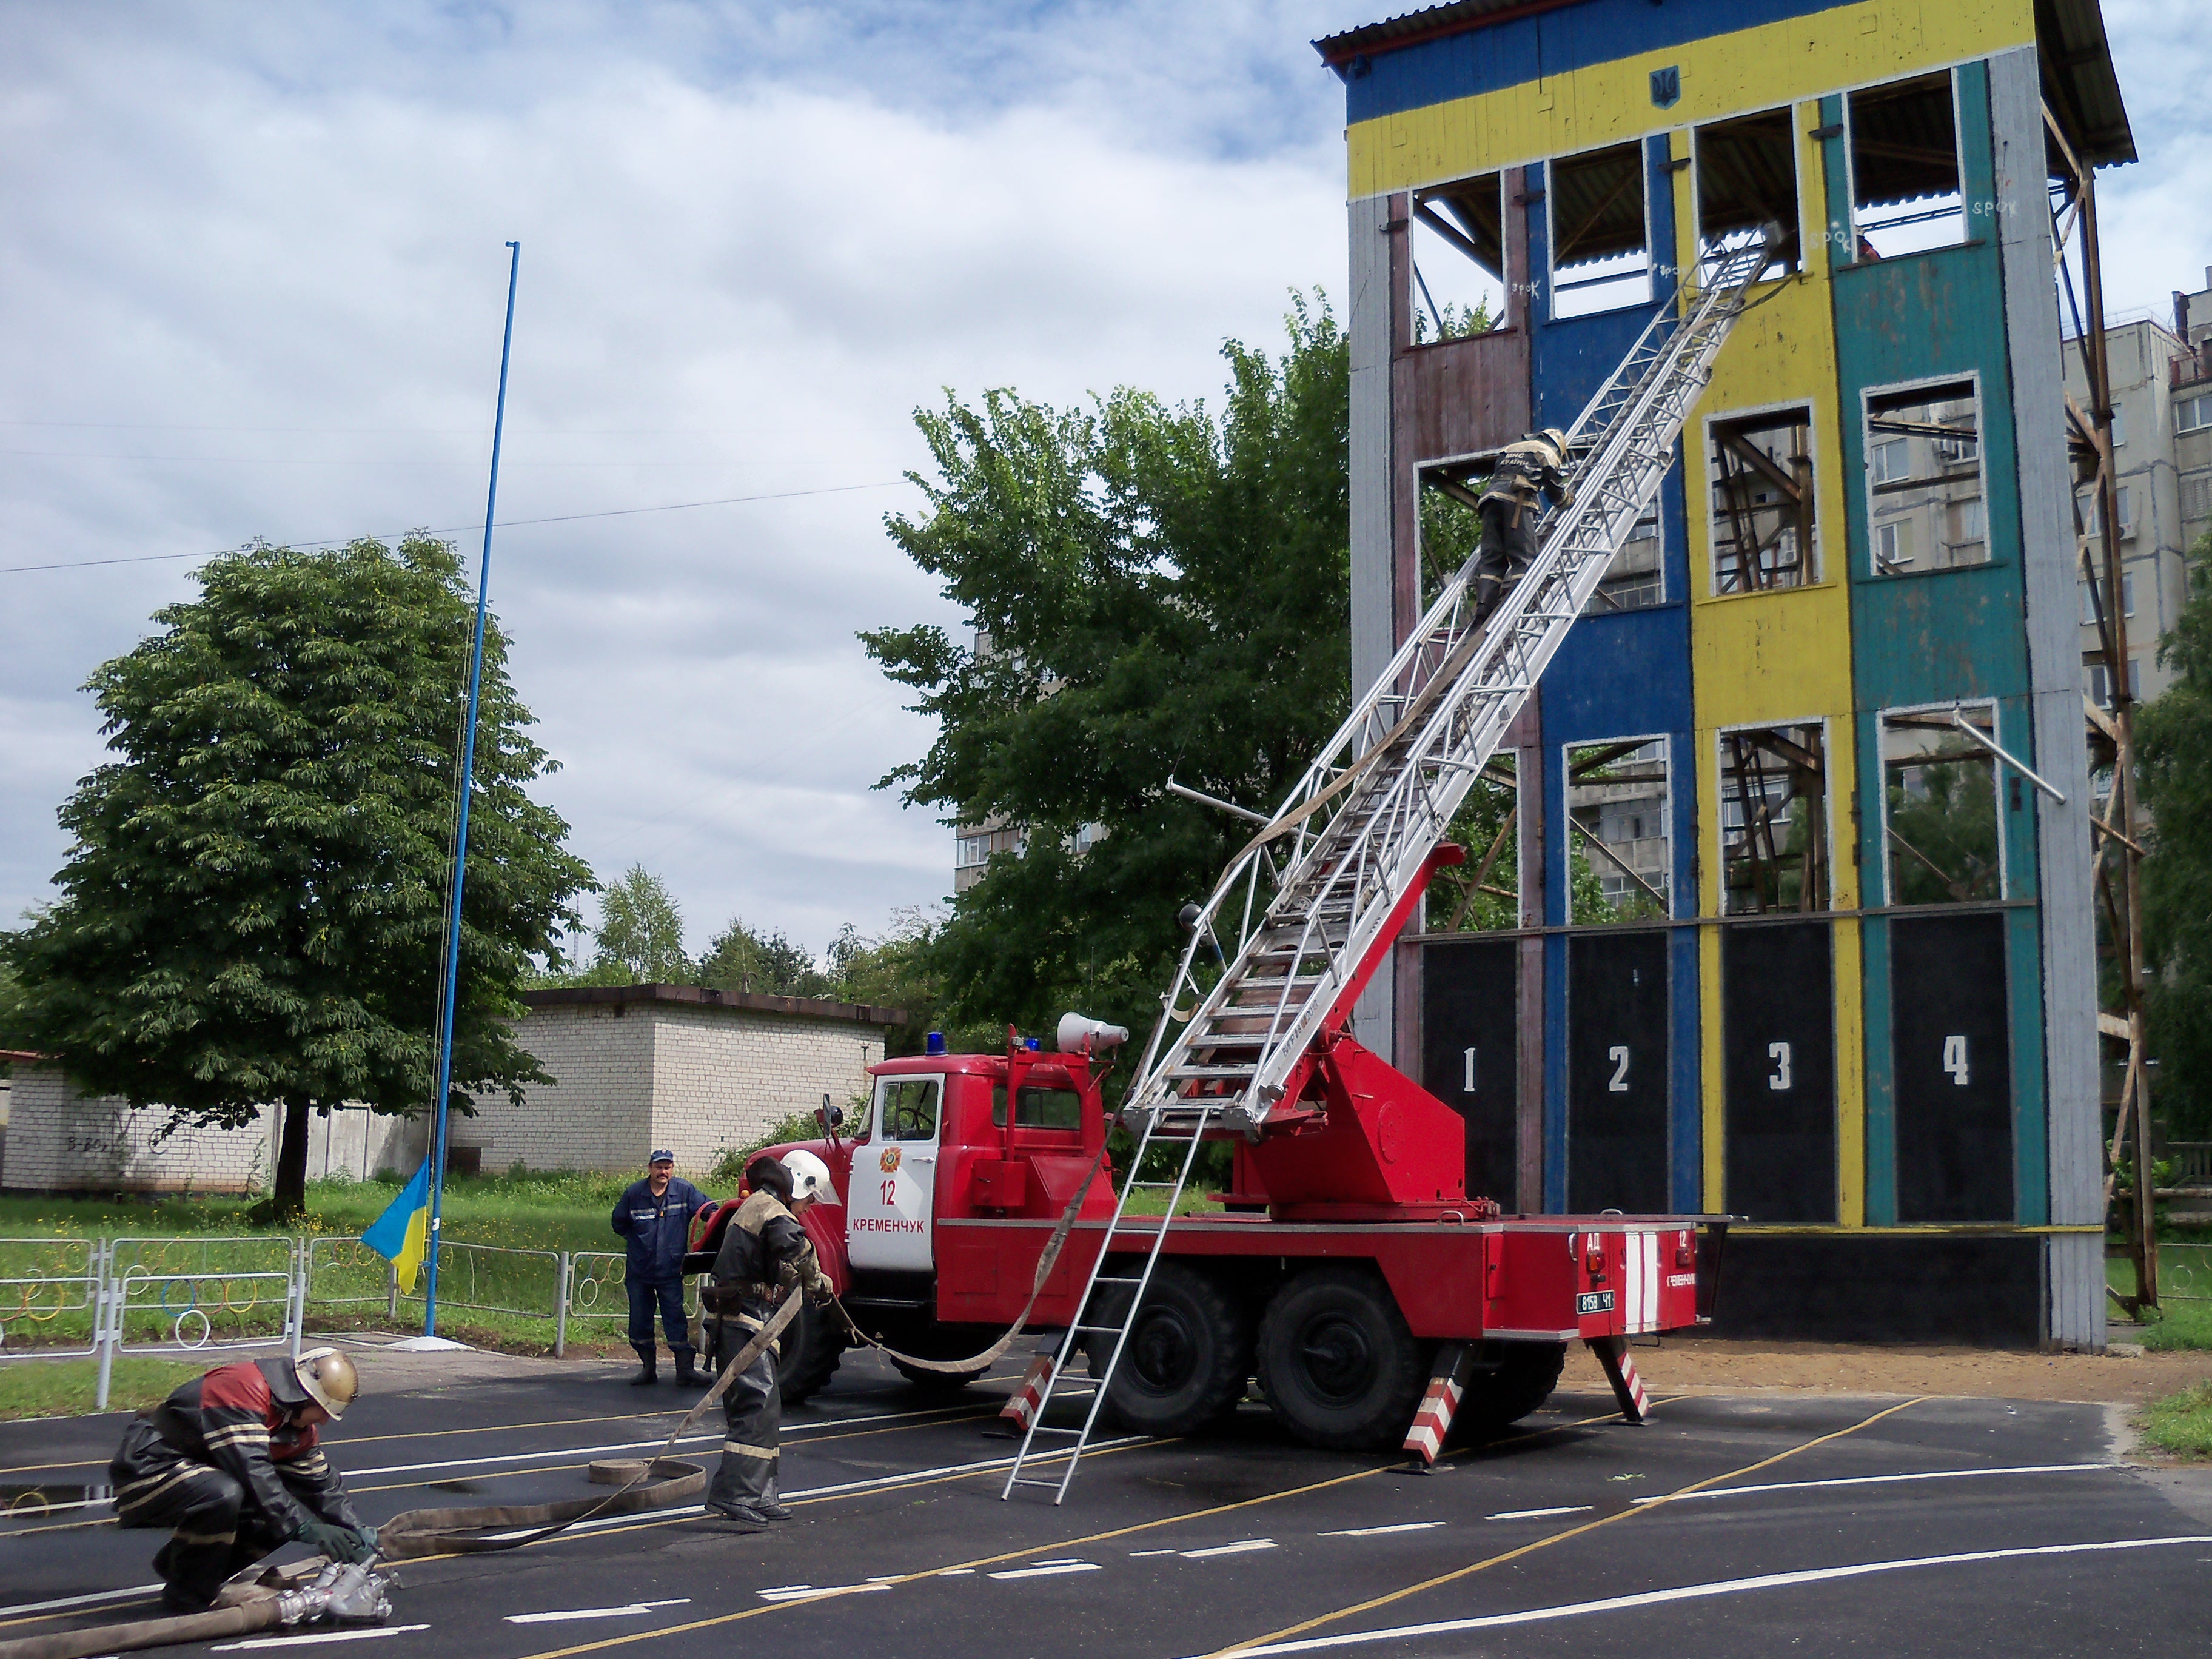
x=461, y=833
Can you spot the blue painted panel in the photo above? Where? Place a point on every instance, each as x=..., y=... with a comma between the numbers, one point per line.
x=1552, y=43
x=1618, y=674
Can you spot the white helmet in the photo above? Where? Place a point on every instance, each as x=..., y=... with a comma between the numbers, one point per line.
x=810, y=1178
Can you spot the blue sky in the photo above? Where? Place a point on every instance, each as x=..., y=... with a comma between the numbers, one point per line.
x=253, y=279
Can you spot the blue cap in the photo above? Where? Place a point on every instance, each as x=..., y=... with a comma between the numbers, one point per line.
x=937, y=1043
x=662, y=1155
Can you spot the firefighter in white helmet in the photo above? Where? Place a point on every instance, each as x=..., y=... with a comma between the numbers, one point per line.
x=230, y=1461
x=1526, y=472
x=765, y=1257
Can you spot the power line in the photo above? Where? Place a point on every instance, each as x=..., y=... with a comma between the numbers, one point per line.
x=453, y=530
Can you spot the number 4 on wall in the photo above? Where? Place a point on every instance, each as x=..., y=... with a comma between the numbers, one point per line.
x=1954, y=1058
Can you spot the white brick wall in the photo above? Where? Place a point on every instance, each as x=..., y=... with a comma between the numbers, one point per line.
x=60, y=1141
x=631, y=1076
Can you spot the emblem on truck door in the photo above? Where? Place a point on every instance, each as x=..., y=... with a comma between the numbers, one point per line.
x=889, y=1161
x=1591, y=1302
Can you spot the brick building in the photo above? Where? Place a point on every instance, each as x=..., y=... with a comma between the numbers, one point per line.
x=637, y=1066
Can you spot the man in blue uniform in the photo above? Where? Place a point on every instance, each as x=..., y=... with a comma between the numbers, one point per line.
x=654, y=1215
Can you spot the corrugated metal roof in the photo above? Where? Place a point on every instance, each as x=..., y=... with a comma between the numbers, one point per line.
x=1411, y=28
x=2079, y=83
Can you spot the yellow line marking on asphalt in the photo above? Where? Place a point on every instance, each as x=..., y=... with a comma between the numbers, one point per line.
x=1545, y=1543
x=1027, y=1551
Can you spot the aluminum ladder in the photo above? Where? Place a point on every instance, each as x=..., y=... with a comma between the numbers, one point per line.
x=1115, y=1318
x=1354, y=833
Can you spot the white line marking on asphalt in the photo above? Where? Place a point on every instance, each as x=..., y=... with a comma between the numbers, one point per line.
x=827, y=1589
x=882, y=1482
x=77, y=1601
x=1381, y=1532
x=1536, y=1514
x=786, y=1590
x=1244, y=1548
x=1885, y=1480
x=625, y=1612
x=1053, y=1571
x=313, y=1638
x=1695, y=1592
x=1139, y=1555
x=957, y=1572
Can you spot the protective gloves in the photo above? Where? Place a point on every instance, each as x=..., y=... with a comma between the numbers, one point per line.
x=339, y=1543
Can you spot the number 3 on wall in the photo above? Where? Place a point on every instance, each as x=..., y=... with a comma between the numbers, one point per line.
x=1954, y=1058
x=1779, y=1053
x=1618, y=1083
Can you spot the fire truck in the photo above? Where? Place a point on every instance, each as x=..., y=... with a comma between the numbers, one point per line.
x=1345, y=1267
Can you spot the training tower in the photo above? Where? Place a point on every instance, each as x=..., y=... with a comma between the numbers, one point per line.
x=1771, y=925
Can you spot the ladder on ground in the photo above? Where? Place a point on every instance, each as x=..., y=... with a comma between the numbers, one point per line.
x=1309, y=901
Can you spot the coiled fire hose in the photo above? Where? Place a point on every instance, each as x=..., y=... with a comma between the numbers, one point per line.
x=356, y=1594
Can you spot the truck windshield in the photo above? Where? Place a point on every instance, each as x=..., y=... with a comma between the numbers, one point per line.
x=1038, y=1109
x=909, y=1109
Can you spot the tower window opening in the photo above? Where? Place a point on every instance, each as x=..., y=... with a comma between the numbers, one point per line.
x=1904, y=167
x=1746, y=172
x=1601, y=236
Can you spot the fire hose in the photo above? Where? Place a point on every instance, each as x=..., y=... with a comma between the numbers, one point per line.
x=356, y=1594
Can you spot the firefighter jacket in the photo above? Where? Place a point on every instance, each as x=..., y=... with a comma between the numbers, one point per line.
x=238, y=1419
x=658, y=1229
x=1527, y=470
x=765, y=1253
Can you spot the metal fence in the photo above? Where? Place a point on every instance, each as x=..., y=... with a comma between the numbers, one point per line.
x=49, y=1297
x=2184, y=1272
x=76, y=1299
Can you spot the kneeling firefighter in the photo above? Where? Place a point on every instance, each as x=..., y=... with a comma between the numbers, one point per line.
x=765, y=1256
x=1526, y=472
x=230, y=1461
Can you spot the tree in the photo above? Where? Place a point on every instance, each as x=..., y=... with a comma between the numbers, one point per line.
x=641, y=935
x=2173, y=749
x=1159, y=592
x=741, y=959
x=253, y=909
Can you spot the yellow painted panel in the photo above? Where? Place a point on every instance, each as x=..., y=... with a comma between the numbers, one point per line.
x=1712, y=1093
x=1851, y=1077
x=1721, y=74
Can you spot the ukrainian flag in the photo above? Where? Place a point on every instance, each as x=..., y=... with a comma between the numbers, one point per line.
x=402, y=1233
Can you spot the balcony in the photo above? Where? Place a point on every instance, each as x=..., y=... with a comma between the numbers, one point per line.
x=2191, y=367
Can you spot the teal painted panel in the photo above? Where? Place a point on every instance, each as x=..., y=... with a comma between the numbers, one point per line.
x=1881, y=1077
x=2030, y=1139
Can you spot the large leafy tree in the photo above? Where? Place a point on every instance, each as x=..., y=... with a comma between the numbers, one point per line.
x=2173, y=746
x=253, y=909
x=1160, y=592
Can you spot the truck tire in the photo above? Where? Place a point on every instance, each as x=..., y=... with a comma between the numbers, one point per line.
x=1496, y=1399
x=1187, y=1356
x=810, y=1351
x=1338, y=1364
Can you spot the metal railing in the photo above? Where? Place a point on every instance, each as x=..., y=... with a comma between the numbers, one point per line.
x=2184, y=1272
x=79, y=1298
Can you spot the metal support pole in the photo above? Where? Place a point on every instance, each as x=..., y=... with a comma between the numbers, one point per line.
x=104, y=1314
x=561, y=1313
x=295, y=1308
x=391, y=1291
x=461, y=829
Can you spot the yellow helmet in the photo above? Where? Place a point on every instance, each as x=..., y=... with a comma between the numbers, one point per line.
x=1557, y=438
x=328, y=1378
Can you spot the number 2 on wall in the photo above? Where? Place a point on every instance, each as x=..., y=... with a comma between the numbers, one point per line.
x=1618, y=1083
x=1779, y=1053
x=1954, y=1058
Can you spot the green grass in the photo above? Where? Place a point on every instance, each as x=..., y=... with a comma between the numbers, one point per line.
x=2183, y=1318
x=2182, y=1422
x=67, y=1387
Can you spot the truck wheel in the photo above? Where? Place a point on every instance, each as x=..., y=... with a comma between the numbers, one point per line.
x=812, y=1348
x=1338, y=1364
x=1494, y=1400
x=1186, y=1356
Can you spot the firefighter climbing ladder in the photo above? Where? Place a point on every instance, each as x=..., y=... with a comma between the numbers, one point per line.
x=1354, y=834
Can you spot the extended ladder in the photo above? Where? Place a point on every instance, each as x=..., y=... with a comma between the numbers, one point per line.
x=1354, y=833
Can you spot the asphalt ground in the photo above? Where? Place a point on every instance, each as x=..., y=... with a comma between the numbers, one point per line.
x=1730, y=1525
